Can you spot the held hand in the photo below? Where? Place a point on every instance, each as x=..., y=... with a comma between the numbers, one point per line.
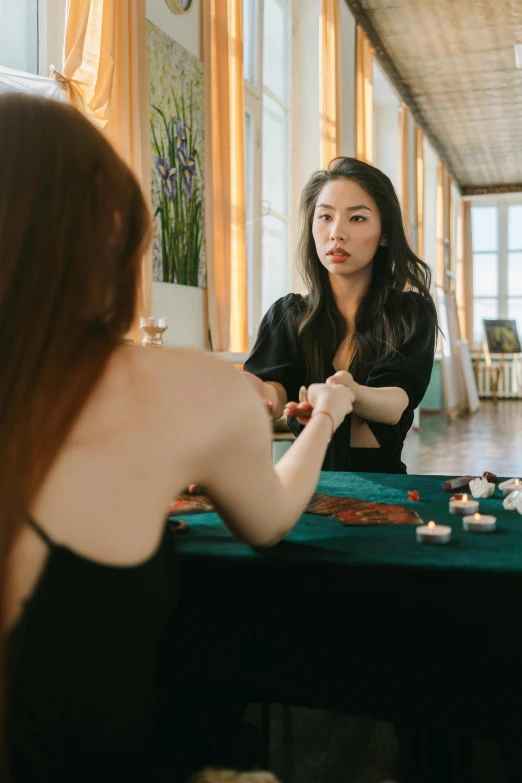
x=345, y=379
x=336, y=399
x=301, y=411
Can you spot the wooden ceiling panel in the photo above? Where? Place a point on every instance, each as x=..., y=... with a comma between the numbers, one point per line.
x=456, y=60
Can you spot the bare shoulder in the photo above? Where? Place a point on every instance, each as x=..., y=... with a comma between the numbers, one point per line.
x=193, y=383
x=192, y=370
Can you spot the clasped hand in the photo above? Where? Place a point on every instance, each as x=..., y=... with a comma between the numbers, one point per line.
x=302, y=411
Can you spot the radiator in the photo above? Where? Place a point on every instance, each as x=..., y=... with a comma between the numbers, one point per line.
x=510, y=383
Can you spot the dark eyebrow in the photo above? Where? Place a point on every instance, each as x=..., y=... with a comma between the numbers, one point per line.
x=349, y=209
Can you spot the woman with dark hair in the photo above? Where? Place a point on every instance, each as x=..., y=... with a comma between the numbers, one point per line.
x=368, y=320
x=96, y=437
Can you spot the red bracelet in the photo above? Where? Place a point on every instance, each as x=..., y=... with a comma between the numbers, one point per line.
x=318, y=413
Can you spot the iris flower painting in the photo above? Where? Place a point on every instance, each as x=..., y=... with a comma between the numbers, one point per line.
x=177, y=167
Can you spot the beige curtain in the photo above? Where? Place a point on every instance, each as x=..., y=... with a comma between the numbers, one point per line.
x=330, y=82
x=441, y=225
x=405, y=170
x=465, y=273
x=105, y=76
x=365, y=54
x=225, y=175
x=419, y=187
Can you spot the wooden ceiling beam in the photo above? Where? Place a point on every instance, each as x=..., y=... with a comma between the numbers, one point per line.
x=487, y=190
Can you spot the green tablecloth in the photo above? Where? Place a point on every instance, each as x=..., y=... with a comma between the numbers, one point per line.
x=362, y=619
x=322, y=539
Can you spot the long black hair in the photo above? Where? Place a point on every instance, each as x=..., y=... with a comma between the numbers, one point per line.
x=384, y=320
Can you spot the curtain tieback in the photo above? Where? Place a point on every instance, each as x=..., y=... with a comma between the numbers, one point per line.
x=62, y=80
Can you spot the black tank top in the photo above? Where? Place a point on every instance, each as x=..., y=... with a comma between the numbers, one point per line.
x=82, y=665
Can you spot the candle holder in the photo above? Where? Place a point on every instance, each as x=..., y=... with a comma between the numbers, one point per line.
x=479, y=523
x=433, y=534
x=463, y=507
x=153, y=329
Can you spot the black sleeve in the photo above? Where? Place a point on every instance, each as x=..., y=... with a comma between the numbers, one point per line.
x=276, y=355
x=410, y=368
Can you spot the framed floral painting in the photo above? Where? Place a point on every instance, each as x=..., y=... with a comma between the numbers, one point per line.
x=177, y=128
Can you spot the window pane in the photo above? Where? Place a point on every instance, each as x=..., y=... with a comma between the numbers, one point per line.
x=514, y=274
x=485, y=274
x=484, y=228
x=275, y=261
x=275, y=164
x=275, y=56
x=19, y=35
x=515, y=227
x=483, y=308
x=249, y=40
x=515, y=311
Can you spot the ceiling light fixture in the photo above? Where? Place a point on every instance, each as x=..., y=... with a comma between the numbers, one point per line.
x=518, y=55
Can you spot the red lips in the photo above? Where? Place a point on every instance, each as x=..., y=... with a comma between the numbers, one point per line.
x=338, y=253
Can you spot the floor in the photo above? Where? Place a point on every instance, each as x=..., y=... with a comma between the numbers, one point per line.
x=491, y=439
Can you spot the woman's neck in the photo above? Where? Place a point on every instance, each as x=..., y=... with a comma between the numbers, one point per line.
x=348, y=293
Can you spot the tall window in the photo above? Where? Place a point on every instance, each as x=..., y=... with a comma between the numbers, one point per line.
x=19, y=35
x=514, y=265
x=266, y=56
x=484, y=231
x=31, y=40
x=497, y=264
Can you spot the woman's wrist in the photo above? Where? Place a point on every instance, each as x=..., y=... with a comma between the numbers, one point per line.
x=358, y=390
x=316, y=413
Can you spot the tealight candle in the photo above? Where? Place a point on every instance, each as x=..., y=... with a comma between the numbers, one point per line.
x=433, y=534
x=479, y=523
x=508, y=487
x=464, y=507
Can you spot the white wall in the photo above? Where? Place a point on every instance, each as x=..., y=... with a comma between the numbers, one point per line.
x=183, y=28
x=348, y=77
x=185, y=307
x=386, y=125
x=430, y=207
x=306, y=138
x=387, y=147
x=52, y=19
x=410, y=209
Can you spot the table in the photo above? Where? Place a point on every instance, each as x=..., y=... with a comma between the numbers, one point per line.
x=360, y=619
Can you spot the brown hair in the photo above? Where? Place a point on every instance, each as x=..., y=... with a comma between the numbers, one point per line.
x=384, y=321
x=73, y=226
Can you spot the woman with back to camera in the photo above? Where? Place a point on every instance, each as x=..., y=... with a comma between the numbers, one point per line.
x=368, y=320
x=96, y=437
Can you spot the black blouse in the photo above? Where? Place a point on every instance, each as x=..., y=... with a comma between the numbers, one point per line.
x=276, y=356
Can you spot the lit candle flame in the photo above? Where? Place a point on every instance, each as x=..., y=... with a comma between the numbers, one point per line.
x=517, y=482
x=431, y=524
x=464, y=498
x=476, y=516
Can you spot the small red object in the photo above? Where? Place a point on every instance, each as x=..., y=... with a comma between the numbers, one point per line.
x=413, y=494
x=458, y=496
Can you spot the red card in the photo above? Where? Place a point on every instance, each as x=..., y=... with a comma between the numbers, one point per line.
x=349, y=511
x=190, y=504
